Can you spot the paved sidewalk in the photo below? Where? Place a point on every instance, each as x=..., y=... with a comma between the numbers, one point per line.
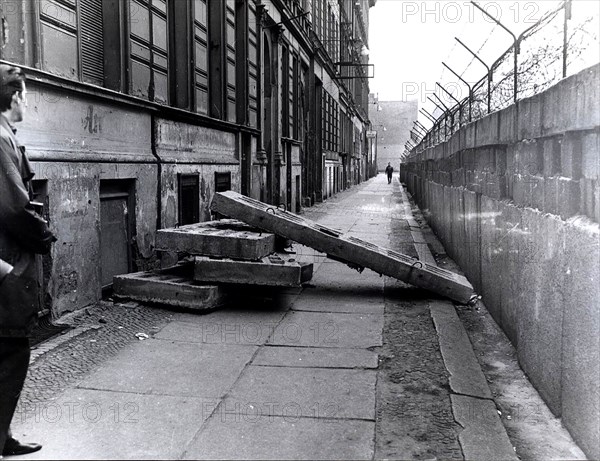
x=307, y=377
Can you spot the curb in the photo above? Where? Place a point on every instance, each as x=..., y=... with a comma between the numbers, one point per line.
x=483, y=435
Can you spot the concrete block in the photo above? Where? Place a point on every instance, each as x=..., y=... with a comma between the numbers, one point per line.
x=274, y=270
x=529, y=158
x=491, y=277
x=588, y=190
x=510, y=236
x=486, y=130
x=581, y=338
x=569, y=198
x=552, y=122
x=597, y=203
x=226, y=238
x=507, y=131
x=470, y=130
x=492, y=186
x=539, y=258
x=591, y=156
x=334, y=244
x=551, y=155
x=169, y=289
x=587, y=111
x=530, y=117
x=472, y=223
x=521, y=186
x=537, y=192
x=551, y=195
x=571, y=156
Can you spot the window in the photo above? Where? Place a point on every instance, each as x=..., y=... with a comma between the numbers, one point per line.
x=285, y=90
x=189, y=199
x=222, y=181
x=253, y=66
x=201, y=56
x=149, y=56
x=230, y=58
x=330, y=123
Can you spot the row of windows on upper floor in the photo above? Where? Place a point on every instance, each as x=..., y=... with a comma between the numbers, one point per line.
x=199, y=55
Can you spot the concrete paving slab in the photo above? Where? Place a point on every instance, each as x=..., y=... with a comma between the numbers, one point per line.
x=283, y=438
x=304, y=392
x=312, y=329
x=89, y=424
x=226, y=238
x=320, y=300
x=483, y=435
x=314, y=357
x=466, y=377
x=154, y=367
x=237, y=316
x=230, y=331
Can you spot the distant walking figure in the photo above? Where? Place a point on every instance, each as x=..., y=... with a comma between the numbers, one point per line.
x=389, y=170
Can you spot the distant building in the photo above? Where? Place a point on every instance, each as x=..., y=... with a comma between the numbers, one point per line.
x=140, y=110
x=392, y=120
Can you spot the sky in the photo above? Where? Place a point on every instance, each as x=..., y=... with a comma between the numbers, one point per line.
x=408, y=40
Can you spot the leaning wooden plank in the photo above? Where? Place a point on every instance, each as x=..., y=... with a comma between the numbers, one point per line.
x=357, y=252
x=169, y=289
x=274, y=270
x=226, y=238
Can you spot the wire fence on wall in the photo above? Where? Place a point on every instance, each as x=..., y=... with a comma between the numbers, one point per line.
x=546, y=52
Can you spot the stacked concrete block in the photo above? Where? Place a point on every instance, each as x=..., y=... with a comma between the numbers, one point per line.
x=224, y=253
x=226, y=238
x=169, y=289
x=278, y=270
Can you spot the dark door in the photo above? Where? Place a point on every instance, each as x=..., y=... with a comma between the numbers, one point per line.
x=116, y=229
x=288, y=178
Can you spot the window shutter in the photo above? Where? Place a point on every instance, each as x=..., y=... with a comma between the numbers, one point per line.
x=92, y=44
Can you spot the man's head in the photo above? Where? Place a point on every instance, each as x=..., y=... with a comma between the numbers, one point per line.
x=12, y=93
x=389, y=164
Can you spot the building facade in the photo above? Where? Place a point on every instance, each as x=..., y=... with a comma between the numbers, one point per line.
x=140, y=110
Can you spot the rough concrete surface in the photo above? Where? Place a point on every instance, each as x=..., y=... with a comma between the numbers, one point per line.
x=222, y=391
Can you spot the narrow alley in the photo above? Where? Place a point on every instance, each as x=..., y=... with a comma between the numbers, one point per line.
x=351, y=366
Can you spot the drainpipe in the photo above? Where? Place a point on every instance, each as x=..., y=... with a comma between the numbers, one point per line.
x=159, y=173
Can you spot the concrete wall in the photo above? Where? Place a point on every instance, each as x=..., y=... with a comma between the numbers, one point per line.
x=515, y=198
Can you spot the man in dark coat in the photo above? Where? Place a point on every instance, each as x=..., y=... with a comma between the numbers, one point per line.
x=23, y=234
x=389, y=170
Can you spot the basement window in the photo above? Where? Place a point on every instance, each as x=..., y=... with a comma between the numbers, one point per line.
x=222, y=181
x=189, y=199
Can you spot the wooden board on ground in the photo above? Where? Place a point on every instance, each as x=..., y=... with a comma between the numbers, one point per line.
x=274, y=270
x=171, y=289
x=356, y=252
x=226, y=238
